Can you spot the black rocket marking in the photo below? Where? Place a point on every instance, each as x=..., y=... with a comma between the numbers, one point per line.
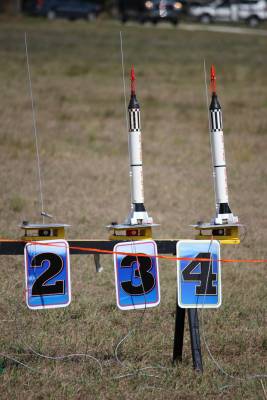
x=216, y=120
x=224, y=208
x=134, y=120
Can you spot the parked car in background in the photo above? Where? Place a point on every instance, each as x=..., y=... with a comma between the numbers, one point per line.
x=71, y=9
x=151, y=10
x=251, y=11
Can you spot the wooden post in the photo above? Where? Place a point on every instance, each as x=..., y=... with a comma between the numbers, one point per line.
x=194, y=336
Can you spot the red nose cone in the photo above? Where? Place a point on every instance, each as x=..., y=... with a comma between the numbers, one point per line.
x=213, y=79
x=132, y=81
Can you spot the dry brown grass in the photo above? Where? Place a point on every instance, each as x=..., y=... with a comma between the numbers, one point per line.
x=78, y=93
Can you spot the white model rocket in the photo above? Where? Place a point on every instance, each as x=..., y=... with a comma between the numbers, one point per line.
x=224, y=214
x=138, y=214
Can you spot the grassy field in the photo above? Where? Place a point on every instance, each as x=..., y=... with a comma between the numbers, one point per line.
x=77, y=84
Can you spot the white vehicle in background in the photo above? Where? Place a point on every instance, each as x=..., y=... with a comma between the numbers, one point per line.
x=251, y=11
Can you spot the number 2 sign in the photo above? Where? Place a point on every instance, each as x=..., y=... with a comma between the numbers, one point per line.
x=136, y=276
x=199, y=278
x=47, y=273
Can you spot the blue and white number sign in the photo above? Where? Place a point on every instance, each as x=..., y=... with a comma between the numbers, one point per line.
x=47, y=272
x=136, y=276
x=199, y=274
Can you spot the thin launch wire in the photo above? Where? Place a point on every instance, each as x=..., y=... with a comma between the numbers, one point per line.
x=61, y=357
x=213, y=359
x=138, y=324
x=140, y=321
x=131, y=331
x=203, y=334
x=8, y=357
x=263, y=388
x=34, y=128
x=48, y=357
x=216, y=363
x=138, y=371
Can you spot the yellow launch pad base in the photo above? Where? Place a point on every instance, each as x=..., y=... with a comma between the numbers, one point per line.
x=225, y=234
x=130, y=232
x=38, y=232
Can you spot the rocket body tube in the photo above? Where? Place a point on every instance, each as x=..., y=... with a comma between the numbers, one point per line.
x=218, y=154
x=138, y=214
x=135, y=154
x=223, y=211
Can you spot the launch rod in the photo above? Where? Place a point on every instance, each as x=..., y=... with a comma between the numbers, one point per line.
x=34, y=128
x=123, y=80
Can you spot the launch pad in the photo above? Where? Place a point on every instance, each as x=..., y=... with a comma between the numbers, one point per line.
x=130, y=232
x=224, y=226
x=225, y=234
x=37, y=232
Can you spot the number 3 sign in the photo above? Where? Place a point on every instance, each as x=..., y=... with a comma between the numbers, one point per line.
x=136, y=276
x=199, y=279
x=47, y=272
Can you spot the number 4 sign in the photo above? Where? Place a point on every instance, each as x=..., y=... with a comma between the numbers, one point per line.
x=47, y=272
x=199, y=278
x=136, y=276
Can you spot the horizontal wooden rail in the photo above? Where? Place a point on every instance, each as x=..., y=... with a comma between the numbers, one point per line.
x=16, y=247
